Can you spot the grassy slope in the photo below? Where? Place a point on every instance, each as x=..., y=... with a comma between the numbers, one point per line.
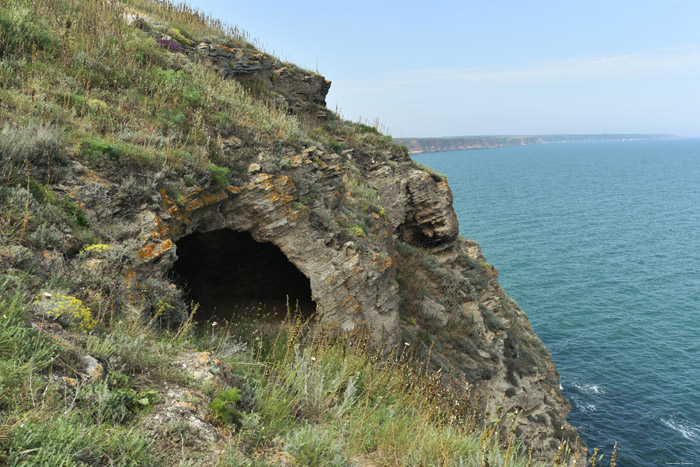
x=76, y=83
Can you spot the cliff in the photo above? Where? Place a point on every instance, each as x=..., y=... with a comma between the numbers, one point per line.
x=421, y=145
x=165, y=175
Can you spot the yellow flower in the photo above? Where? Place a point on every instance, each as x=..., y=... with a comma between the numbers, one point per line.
x=72, y=311
x=96, y=248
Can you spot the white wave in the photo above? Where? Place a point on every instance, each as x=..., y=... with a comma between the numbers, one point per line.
x=586, y=407
x=688, y=430
x=589, y=388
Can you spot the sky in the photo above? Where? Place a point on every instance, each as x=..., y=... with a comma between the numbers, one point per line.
x=498, y=67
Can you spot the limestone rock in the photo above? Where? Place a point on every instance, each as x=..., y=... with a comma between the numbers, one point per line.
x=433, y=312
x=419, y=205
x=92, y=369
x=340, y=221
x=300, y=90
x=236, y=61
x=207, y=370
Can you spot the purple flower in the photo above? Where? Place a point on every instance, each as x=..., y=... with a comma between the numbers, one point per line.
x=170, y=44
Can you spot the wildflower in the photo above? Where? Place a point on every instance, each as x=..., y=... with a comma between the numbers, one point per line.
x=170, y=44
x=214, y=323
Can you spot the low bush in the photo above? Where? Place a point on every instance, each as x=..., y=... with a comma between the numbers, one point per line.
x=38, y=145
x=219, y=177
x=22, y=33
x=222, y=408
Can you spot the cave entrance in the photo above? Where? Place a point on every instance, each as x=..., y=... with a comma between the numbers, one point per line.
x=232, y=277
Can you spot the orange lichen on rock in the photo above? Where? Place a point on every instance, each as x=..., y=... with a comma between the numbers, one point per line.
x=383, y=263
x=292, y=212
x=162, y=230
x=335, y=277
x=296, y=160
x=191, y=200
x=279, y=187
x=92, y=177
x=205, y=200
x=154, y=250
x=170, y=204
x=350, y=304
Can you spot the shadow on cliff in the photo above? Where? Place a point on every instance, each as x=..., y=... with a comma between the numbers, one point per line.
x=234, y=277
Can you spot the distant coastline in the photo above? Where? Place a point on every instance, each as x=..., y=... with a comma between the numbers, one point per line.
x=458, y=143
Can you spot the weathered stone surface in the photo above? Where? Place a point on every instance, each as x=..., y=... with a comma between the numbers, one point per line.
x=340, y=220
x=419, y=205
x=92, y=369
x=434, y=312
x=181, y=420
x=536, y=396
x=303, y=206
x=304, y=90
x=207, y=370
x=237, y=61
x=300, y=90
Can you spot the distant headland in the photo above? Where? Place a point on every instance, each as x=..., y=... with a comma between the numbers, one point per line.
x=456, y=143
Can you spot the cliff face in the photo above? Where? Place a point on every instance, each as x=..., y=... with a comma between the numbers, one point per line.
x=370, y=238
x=376, y=237
x=421, y=145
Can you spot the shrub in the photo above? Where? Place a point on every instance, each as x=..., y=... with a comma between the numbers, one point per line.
x=21, y=34
x=94, y=149
x=113, y=399
x=368, y=129
x=219, y=177
x=336, y=146
x=222, y=407
x=491, y=321
x=94, y=249
x=69, y=311
x=66, y=440
x=192, y=96
x=74, y=211
x=316, y=445
x=179, y=36
x=37, y=144
x=173, y=117
x=220, y=119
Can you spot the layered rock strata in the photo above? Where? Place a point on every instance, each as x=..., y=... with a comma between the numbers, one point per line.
x=375, y=235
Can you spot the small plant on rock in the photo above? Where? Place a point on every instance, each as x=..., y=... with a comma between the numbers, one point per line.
x=222, y=407
x=219, y=177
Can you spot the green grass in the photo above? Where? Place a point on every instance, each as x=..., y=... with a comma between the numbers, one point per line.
x=321, y=398
x=91, y=74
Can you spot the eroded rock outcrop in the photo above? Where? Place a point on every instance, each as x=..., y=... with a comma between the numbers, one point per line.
x=299, y=90
x=312, y=205
x=375, y=235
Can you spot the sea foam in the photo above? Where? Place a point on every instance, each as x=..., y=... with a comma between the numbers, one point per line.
x=688, y=430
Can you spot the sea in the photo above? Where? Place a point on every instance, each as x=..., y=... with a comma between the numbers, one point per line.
x=599, y=243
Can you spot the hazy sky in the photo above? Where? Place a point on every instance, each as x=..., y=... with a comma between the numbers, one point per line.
x=447, y=68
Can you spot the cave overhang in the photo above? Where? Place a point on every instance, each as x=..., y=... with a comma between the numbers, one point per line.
x=351, y=282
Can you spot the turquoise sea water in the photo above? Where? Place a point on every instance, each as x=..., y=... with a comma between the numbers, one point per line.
x=599, y=243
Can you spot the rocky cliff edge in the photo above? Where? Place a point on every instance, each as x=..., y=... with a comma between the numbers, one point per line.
x=374, y=234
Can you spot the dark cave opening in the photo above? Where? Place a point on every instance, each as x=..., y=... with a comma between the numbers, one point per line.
x=232, y=277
